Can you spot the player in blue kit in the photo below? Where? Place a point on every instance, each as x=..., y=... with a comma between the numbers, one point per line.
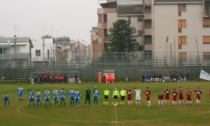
x=31, y=97
x=20, y=93
x=71, y=96
x=6, y=100
x=62, y=92
x=95, y=97
x=38, y=98
x=47, y=97
x=55, y=93
x=77, y=98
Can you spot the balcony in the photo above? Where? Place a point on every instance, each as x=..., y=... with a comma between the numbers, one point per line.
x=147, y=16
x=129, y=2
x=148, y=2
x=147, y=31
x=148, y=47
x=15, y=56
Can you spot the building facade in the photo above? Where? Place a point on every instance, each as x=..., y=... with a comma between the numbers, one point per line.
x=181, y=30
x=15, y=52
x=173, y=31
x=49, y=51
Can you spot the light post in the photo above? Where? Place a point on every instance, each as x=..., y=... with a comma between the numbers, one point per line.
x=79, y=53
x=171, y=53
x=166, y=48
x=15, y=38
x=54, y=53
x=174, y=52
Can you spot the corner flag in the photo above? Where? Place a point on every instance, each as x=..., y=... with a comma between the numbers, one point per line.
x=204, y=75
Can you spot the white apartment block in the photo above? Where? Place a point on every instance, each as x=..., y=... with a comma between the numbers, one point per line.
x=179, y=30
x=15, y=52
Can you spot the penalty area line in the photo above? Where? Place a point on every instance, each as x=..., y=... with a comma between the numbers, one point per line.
x=116, y=121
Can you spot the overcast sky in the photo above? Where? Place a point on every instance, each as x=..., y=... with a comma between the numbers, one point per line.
x=33, y=18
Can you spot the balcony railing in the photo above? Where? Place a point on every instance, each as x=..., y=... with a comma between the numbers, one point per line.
x=147, y=16
x=148, y=2
x=148, y=47
x=147, y=31
x=15, y=56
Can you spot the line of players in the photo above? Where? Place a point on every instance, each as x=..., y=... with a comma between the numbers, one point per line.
x=74, y=96
x=179, y=96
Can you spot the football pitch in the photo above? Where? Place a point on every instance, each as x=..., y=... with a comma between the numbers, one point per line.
x=21, y=114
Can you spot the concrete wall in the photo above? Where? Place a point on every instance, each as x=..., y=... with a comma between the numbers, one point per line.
x=38, y=45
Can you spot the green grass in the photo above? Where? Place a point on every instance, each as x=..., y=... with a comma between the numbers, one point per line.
x=19, y=113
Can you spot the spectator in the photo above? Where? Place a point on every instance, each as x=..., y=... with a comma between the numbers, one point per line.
x=6, y=100
x=65, y=79
x=76, y=77
x=187, y=76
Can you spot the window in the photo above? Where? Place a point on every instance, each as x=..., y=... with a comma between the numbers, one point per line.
x=182, y=56
x=206, y=39
x=38, y=53
x=105, y=18
x=181, y=8
x=2, y=50
x=206, y=55
x=147, y=55
x=140, y=32
x=182, y=41
x=181, y=24
x=206, y=22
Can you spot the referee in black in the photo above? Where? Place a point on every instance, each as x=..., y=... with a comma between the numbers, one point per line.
x=87, y=98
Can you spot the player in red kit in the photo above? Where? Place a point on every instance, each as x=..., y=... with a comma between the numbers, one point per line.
x=148, y=96
x=189, y=93
x=174, y=93
x=160, y=99
x=167, y=96
x=181, y=96
x=198, y=95
x=129, y=94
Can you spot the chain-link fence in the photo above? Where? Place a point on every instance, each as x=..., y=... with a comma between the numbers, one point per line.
x=125, y=65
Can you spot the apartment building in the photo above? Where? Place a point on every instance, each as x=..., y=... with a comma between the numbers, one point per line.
x=181, y=30
x=173, y=31
x=15, y=52
x=49, y=50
